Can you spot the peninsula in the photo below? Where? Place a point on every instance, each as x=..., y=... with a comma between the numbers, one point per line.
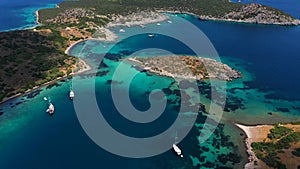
x=186, y=67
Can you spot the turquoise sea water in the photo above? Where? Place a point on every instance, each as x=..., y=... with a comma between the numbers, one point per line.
x=267, y=56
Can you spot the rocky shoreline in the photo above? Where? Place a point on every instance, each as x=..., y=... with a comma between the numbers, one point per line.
x=185, y=67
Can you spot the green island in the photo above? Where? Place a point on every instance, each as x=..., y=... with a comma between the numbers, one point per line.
x=36, y=56
x=186, y=67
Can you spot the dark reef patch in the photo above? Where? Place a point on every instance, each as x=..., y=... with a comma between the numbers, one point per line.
x=113, y=82
x=18, y=103
x=282, y=109
x=208, y=165
x=1, y=113
x=103, y=65
x=167, y=91
x=33, y=94
x=111, y=56
x=53, y=85
x=233, y=103
x=125, y=52
x=102, y=73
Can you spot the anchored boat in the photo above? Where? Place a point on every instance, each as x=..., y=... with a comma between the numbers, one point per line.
x=150, y=35
x=50, y=109
x=177, y=150
x=71, y=94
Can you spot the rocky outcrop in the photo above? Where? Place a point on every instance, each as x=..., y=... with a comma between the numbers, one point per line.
x=186, y=67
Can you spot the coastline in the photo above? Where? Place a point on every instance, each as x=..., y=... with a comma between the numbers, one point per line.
x=37, y=17
x=255, y=133
x=83, y=69
x=210, y=18
x=73, y=44
x=296, y=22
x=109, y=37
x=259, y=133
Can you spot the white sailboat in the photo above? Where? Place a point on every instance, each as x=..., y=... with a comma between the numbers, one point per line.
x=71, y=94
x=150, y=35
x=50, y=109
x=177, y=150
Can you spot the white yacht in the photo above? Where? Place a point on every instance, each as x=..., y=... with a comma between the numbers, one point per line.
x=71, y=94
x=177, y=150
x=150, y=35
x=50, y=109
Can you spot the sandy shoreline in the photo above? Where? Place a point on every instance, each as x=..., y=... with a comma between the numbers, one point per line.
x=254, y=134
x=72, y=45
x=37, y=17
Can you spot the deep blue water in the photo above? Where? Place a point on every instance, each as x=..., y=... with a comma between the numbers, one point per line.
x=271, y=51
x=20, y=14
x=266, y=55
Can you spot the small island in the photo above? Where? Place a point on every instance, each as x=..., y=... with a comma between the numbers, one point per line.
x=186, y=67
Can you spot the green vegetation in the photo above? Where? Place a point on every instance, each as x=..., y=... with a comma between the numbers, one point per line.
x=296, y=123
x=278, y=132
x=215, y=8
x=281, y=138
x=29, y=59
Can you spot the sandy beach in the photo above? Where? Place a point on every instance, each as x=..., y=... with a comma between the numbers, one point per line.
x=254, y=134
x=37, y=17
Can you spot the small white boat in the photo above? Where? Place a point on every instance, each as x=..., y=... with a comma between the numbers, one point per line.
x=169, y=21
x=121, y=30
x=158, y=24
x=177, y=150
x=71, y=94
x=50, y=109
x=150, y=35
x=45, y=98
